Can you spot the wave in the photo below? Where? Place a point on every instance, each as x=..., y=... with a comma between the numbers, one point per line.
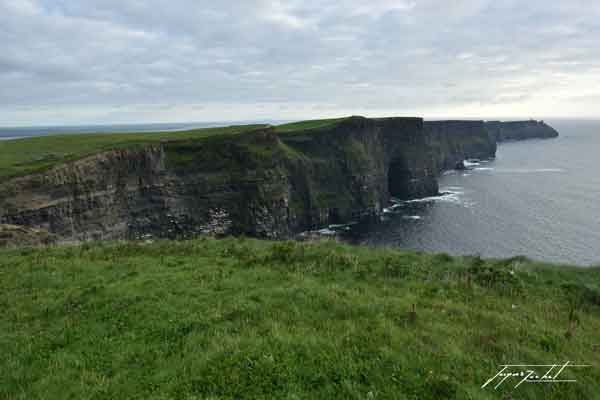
x=449, y=194
x=471, y=163
x=412, y=217
x=326, y=232
x=394, y=207
x=452, y=197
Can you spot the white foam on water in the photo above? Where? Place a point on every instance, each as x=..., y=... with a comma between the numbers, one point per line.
x=412, y=217
x=471, y=163
x=393, y=208
x=448, y=196
x=326, y=232
x=337, y=226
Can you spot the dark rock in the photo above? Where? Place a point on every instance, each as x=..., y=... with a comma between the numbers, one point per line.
x=261, y=184
x=456, y=141
x=520, y=130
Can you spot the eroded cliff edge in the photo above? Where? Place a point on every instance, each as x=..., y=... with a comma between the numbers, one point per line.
x=263, y=183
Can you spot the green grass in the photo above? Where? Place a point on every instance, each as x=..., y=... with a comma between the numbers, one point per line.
x=24, y=156
x=308, y=125
x=245, y=319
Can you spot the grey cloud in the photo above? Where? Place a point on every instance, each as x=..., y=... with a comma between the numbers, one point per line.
x=192, y=58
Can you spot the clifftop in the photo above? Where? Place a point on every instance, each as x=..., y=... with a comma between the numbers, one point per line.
x=25, y=156
x=520, y=130
x=29, y=155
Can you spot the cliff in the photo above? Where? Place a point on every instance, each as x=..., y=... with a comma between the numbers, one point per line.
x=456, y=141
x=269, y=183
x=520, y=130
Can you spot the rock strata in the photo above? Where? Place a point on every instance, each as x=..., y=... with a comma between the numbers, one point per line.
x=263, y=184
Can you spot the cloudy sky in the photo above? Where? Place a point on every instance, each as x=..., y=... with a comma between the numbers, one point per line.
x=109, y=61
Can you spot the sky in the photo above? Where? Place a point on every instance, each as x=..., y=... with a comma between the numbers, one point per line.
x=68, y=62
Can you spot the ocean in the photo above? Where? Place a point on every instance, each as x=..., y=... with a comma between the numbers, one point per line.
x=24, y=132
x=538, y=198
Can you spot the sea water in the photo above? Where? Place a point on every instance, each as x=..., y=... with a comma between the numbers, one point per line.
x=538, y=198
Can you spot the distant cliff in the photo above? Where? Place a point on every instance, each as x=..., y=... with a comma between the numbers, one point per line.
x=520, y=130
x=456, y=141
x=266, y=183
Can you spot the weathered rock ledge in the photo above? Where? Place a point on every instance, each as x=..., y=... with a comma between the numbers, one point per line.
x=14, y=235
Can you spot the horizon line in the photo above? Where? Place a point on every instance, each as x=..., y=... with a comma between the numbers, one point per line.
x=218, y=123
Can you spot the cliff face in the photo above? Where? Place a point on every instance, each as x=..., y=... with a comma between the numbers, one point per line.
x=520, y=130
x=456, y=141
x=180, y=189
x=261, y=184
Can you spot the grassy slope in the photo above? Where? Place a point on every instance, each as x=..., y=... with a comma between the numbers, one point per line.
x=248, y=319
x=23, y=156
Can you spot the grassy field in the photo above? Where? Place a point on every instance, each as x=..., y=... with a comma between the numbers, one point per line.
x=23, y=156
x=245, y=319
